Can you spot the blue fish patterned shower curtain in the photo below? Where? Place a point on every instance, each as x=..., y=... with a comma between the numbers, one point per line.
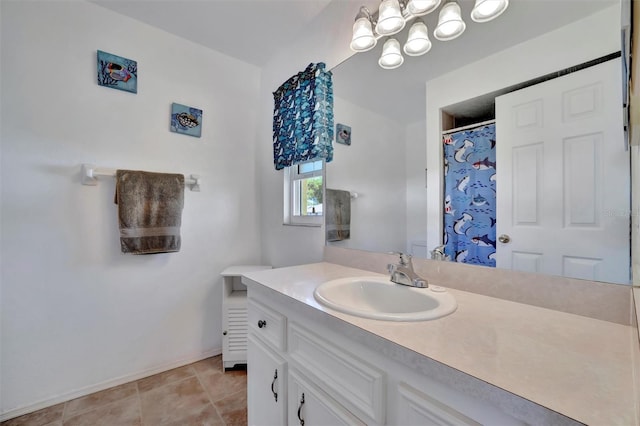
x=470, y=195
x=303, y=118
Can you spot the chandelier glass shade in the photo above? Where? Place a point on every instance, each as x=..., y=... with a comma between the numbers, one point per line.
x=390, y=19
x=391, y=56
x=422, y=7
x=486, y=10
x=363, y=38
x=418, y=42
x=392, y=16
x=450, y=23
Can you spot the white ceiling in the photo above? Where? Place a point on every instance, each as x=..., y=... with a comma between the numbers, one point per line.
x=254, y=30
x=249, y=30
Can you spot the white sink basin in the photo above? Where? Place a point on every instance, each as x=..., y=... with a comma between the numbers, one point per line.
x=378, y=298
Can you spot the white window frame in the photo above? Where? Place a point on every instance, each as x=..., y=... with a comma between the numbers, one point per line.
x=290, y=176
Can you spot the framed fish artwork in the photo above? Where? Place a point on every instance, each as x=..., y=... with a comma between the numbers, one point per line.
x=117, y=72
x=343, y=134
x=186, y=120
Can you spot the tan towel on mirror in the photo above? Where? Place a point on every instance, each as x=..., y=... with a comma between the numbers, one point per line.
x=338, y=214
x=149, y=211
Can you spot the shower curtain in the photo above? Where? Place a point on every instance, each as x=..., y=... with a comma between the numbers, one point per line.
x=470, y=195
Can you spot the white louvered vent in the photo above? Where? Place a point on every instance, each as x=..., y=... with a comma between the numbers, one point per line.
x=237, y=328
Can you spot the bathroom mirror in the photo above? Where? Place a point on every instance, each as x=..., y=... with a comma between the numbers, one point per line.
x=385, y=163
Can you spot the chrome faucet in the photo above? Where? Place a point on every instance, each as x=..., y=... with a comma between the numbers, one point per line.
x=439, y=254
x=403, y=273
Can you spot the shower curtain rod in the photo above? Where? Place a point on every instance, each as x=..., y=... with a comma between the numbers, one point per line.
x=470, y=126
x=90, y=175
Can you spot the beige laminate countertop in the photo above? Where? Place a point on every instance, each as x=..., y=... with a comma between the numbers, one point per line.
x=577, y=366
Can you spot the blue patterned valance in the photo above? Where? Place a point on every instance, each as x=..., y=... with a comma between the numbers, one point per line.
x=303, y=118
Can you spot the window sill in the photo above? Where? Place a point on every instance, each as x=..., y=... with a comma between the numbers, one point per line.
x=304, y=225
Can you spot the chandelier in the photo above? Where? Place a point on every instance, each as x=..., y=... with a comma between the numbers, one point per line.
x=393, y=15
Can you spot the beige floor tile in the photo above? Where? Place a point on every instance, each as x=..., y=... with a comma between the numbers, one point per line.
x=222, y=385
x=161, y=379
x=99, y=399
x=173, y=398
x=233, y=408
x=125, y=412
x=45, y=417
x=179, y=403
x=209, y=365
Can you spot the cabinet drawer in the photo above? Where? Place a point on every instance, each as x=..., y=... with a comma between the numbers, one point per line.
x=267, y=324
x=344, y=375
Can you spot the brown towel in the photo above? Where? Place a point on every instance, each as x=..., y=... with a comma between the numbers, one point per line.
x=338, y=215
x=149, y=211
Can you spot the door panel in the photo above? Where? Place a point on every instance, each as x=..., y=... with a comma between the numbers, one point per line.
x=563, y=177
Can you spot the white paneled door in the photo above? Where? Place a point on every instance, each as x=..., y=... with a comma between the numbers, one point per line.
x=563, y=177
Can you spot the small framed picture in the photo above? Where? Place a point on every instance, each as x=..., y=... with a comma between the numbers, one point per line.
x=117, y=72
x=343, y=134
x=186, y=120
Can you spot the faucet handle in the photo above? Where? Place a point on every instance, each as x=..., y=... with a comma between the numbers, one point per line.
x=405, y=259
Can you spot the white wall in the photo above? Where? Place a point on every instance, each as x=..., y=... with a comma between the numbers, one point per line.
x=416, y=190
x=77, y=315
x=374, y=167
x=587, y=39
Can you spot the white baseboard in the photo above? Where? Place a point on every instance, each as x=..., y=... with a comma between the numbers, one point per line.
x=68, y=396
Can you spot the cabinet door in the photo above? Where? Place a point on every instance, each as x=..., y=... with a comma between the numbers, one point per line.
x=309, y=406
x=418, y=408
x=234, y=335
x=266, y=388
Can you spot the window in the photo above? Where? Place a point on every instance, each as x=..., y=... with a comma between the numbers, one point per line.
x=304, y=190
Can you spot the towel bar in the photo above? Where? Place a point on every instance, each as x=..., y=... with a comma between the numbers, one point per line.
x=90, y=175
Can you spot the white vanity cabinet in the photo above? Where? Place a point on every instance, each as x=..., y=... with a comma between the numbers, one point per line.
x=296, y=377
x=483, y=364
x=322, y=377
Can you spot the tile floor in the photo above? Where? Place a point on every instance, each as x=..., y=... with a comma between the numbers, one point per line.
x=198, y=394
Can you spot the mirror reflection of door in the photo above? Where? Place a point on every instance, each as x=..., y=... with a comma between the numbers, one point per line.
x=564, y=177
